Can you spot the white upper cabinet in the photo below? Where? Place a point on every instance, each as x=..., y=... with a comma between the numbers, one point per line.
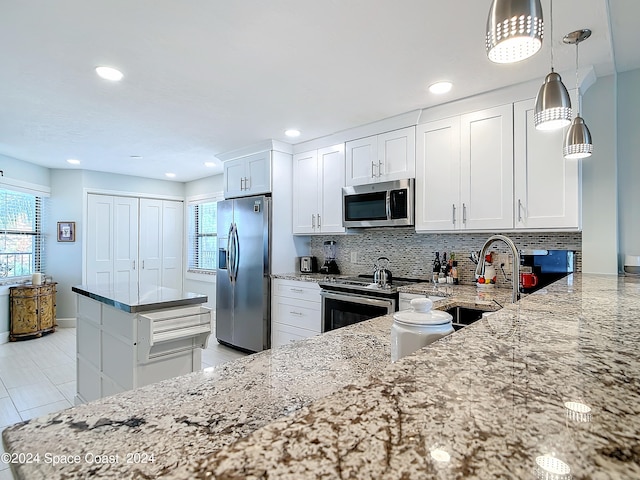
x=486, y=166
x=438, y=175
x=464, y=171
x=380, y=158
x=318, y=178
x=250, y=175
x=547, y=187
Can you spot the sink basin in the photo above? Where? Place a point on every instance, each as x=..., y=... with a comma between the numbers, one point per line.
x=464, y=316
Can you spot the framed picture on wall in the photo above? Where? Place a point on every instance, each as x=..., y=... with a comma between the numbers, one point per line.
x=66, y=231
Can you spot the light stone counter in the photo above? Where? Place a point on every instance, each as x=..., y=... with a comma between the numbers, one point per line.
x=490, y=397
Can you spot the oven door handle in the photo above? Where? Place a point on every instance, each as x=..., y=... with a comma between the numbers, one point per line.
x=376, y=302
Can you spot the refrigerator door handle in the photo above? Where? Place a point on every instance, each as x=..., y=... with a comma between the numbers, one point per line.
x=230, y=254
x=236, y=245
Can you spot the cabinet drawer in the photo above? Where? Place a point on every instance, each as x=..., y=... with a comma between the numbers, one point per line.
x=309, y=291
x=298, y=313
x=285, y=334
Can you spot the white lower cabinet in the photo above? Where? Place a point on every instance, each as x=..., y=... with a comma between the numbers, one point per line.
x=295, y=311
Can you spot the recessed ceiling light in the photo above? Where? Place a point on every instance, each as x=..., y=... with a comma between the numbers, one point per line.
x=73, y=161
x=170, y=175
x=135, y=157
x=209, y=164
x=292, y=132
x=440, y=87
x=109, y=73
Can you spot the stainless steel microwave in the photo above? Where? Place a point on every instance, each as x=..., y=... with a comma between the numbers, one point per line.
x=384, y=204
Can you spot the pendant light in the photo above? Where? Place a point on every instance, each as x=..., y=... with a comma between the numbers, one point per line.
x=514, y=30
x=577, y=143
x=553, y=104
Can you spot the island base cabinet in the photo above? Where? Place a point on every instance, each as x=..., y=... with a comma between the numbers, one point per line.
x=119, y=351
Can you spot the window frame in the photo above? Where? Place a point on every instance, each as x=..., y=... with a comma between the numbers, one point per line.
x=203, y=275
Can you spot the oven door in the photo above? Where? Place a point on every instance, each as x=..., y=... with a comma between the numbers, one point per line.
x=342, y=309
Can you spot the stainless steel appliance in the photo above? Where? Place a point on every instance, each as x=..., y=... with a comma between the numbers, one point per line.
x=243, y=313
x=308, y=264
x=547, y=266
x=346, y=301
x=381, y=204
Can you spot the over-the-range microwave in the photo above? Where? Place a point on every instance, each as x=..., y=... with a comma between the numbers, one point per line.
x=381, y=204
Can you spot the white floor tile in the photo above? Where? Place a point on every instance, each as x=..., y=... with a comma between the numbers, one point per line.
x=8, y=413
x=43, y=410
x=60, y=374
x=3, y=390
x=5, y=474
x=35, y=395
x=21, y=376
x=68, y=390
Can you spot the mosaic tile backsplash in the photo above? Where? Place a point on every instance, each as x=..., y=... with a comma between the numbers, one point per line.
x=411, y=254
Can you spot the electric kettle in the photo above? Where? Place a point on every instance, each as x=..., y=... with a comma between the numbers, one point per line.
x=381, y=274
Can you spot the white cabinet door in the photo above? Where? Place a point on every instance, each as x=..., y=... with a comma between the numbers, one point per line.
x=234, y=174
x=258, y=171
x=150, y=253
x=125, y=241
x=250, y=175
x=305, y=192
x=397, y=155
x=331, y=169
x=487, y=169
x=99, y=264
x=547, y=187
x=362, y=161
x=172, y=235
x=438, y=176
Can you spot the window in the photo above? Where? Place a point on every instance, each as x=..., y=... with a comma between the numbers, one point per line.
x=21, y=234
x=202, y=236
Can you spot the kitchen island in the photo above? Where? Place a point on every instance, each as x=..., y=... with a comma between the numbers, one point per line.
x=551, y=381
x=131, y=336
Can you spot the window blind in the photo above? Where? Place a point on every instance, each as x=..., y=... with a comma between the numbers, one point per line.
x=202, y=239
x=22, y=243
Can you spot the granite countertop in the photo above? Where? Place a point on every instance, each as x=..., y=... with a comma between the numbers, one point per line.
x=485, y=402
x=139, y=298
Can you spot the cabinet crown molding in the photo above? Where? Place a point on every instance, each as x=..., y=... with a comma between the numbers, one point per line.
x=265, y=146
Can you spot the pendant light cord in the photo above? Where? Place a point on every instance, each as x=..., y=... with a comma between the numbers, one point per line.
x=577, y=82
x=551, y=30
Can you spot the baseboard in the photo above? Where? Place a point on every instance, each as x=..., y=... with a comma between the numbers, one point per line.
x=66, y=322
x=4, y=337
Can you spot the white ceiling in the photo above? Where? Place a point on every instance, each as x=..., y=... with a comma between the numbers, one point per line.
x=203, y=77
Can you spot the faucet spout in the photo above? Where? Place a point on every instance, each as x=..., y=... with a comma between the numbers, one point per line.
x=515, y=275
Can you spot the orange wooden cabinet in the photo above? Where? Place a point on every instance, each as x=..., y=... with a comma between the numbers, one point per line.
x=32, y=310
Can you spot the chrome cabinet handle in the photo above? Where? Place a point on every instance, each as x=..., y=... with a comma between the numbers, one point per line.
x=453, y=207
x=247, y=183
x=313, y=221
x=373, y=175
x=519, y=210
x=134, y=264
x=242, y=184
x=297, y=314
x=379, y=168
x=318, y=220
x=297, y=290
x=464, y=213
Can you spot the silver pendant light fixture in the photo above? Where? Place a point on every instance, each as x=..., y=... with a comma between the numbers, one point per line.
x=553, y=104
x=514, y=30
x=577, y=143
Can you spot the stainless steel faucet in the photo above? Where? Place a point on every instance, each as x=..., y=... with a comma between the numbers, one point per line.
x=515, y=275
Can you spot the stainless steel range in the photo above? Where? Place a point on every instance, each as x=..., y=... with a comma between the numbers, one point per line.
x=350, y=300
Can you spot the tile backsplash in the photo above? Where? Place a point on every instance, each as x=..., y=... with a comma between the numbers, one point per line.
x=411, y=254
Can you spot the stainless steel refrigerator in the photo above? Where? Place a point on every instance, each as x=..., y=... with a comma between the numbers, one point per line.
x=243, y=311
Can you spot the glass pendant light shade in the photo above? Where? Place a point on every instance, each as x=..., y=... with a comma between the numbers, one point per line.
x=577, y=143
x=514, y=30
x=553, y=104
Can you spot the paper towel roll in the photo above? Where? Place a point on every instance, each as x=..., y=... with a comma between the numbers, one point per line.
x=36, y=278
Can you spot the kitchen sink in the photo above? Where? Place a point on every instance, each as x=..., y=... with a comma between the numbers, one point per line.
x=464, y=316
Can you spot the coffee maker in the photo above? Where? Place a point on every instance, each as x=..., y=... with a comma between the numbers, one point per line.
x=330, y=266
x=544, y=267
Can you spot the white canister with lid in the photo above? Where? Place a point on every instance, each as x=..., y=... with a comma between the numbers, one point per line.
x=418, y=327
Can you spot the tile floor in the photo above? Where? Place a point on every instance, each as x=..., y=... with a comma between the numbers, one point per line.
x=38, y=376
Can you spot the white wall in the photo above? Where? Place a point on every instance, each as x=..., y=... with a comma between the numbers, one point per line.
x=599, y=181
x=629, y=162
